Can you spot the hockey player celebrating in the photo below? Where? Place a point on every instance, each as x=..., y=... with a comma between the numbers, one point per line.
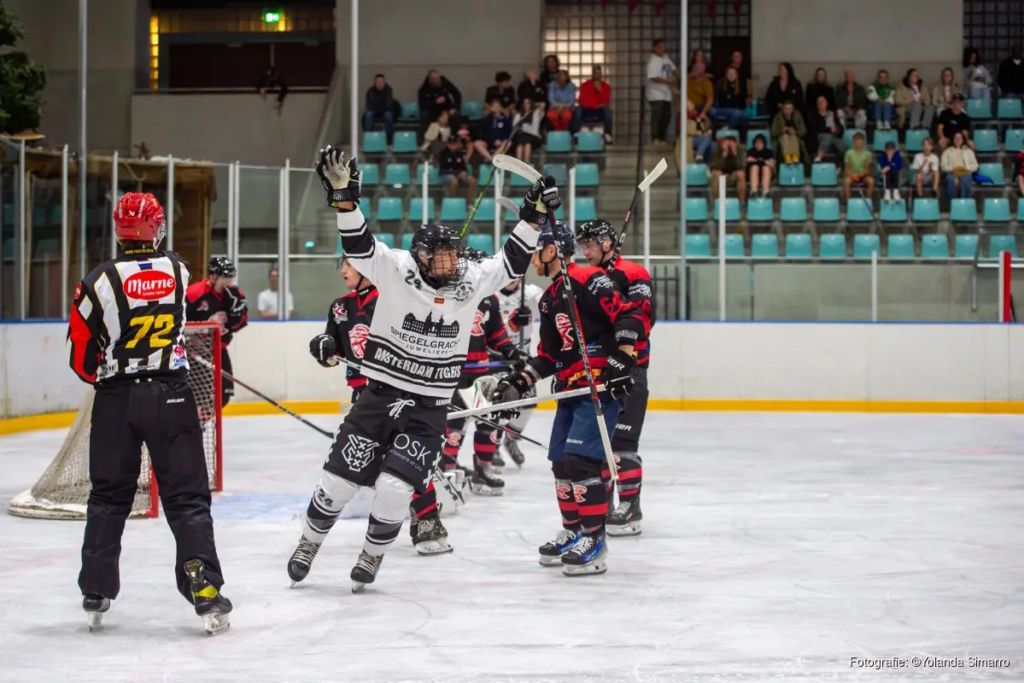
x=611, y=329
x=598, y=240
x=126, y=339
x=219, y=300
x=415, y=350
x=519, y=302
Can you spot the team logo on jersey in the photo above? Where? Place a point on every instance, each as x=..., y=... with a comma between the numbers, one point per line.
x=357, y=338
x=410, y=449
x=178, y=357
x=204, y=306
x=564, y=326
x=478, y=322
x=149, y=285
x=430, y=327
x=340, y=313
x=78, y=291
x=462, y=291
x=579, y=493
x=358, y=452
x=562, y=490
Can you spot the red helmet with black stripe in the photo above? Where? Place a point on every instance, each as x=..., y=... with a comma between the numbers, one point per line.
x=139, y=217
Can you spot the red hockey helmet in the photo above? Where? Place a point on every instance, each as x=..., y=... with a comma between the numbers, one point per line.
x=139, y=216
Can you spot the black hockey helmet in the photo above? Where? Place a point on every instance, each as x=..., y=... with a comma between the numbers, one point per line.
x=427, y=243
x=559, y=235
x=474, y=255
x=592, y=231
x=221, y=266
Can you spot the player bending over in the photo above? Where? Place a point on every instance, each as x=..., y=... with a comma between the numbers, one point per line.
x=217, y=299
x=415, y=350
x=126, y=338
x=597, y=240
x=611, y=328
x=518, y=302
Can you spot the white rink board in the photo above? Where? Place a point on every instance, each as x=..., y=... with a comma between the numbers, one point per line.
x=775, y=548
x=858, y=362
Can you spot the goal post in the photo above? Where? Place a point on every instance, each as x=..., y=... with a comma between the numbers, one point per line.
x=62, y=491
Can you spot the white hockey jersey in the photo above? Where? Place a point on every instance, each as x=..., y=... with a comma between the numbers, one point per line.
x=419, y=335
x=510, y=302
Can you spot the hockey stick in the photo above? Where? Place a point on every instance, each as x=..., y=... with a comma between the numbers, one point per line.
x=517, y=166
x=644, y=185
x=520, y=403
x=490, y=176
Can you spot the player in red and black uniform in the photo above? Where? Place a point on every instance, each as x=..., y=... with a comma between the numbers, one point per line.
x=217, y=299
x=611, y=328
x=597, y=240
x=126, y=339
x=489, y=335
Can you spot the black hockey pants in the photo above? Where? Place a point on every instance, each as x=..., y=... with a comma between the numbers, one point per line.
x=163, y=415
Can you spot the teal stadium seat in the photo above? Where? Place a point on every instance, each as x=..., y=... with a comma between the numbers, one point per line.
x=794, y=209
x=8, y=250
x=966, y=246
x=730, y=132
x=387, y=238
x=732, y=209
x=517, y=180
x=367, y=208
x=416, y=210
x=511, y=217
x=696, y=175
x=587, y=175
x=996, y=210
x=397, y=175
x=993, y=171
x=986, y=140
x=407, y=241
x=915, y=140
x=389, y=209
x=881, y=137
x=832, y=247
x=963, y=211
x=1020, y=211
x=791, y=175
x=1000, y=243
x=374, y=142
x=926, y=210
x=483, y=173
x=698, y=246
x=764, y=246
x=405, y=143
x=864, y=245
x=979, y=109
x=484, y=243
x=751, y=134
x=560, y=172
x=893, y=212
x=589, y=142
x=798, y=246
x=55, y=215
x=472, y=109
x=453, y=210
x=586, y=209
x=824, y=175
x=734, y=246
x=858, y=210
x=850, y=132
x=826, y=210
x=371, y=174
x=558, y=142
x=934, y=246
x=485, y=212
x=760, y=210
x=410, y=111
x=1009, y=108
x=901, y=246
x=433, y=175
x=8, y=215
x=1015, y=140
x=697, y=209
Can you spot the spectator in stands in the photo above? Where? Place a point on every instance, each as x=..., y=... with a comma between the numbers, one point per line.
x=944, y=93
x=454, y=169
x=1018, y=172
x=858, y=166
x=819, y=87
x=267, y=300
x=852, y=101
x=976, y=76
x=737, y=62
x=381, y=104
x=436, y=137
x=438, y=94
x=502, y=92
x=1011, y=74
x=550, y=71
x=662, y=75
x=271, y=81
x=699, y=133
x=495, y=131
x=699, y=89
x=698, y=57
x=561, y=101
x=784, y=87
x=531, y=88
x=926, y=168
x=883, y=100
x=789, y=129
x=958, y=163
x=824, y=131
x=595, y=103
x=760, y=165
x=890, y=165
x=913, y=97
x=728, y=161
x=731, y=100
x=528, y=137
x=952, y=121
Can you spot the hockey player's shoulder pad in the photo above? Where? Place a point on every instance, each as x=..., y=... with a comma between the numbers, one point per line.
x=633, y=270
x=196, y=290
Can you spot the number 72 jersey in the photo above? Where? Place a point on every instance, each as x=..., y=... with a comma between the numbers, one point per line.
x=128, y=318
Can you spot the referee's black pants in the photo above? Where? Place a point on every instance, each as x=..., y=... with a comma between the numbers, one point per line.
x=163, y=415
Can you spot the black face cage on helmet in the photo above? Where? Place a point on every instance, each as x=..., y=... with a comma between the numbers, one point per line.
x=429, y=240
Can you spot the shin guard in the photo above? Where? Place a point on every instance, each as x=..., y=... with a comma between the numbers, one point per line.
x=588, y=489
x=563, y=492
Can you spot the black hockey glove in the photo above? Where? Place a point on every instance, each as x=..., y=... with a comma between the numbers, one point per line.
x=342, y=179
x=322, y=348
x=540, y=203
x=619, y=381
x=510, y=388
x=522, y=317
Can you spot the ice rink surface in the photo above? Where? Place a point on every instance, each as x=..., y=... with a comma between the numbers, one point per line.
x=776, y=547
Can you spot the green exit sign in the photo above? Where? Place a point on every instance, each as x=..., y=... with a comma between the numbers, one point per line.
x=271, y=17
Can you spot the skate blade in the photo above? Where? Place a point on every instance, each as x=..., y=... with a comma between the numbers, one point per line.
x=486, y=491
x=592, y=569
x=547, y=561
x=95, y=620
x=216, y=623
x=433, y=548
x=631, y=529
x=358, y=586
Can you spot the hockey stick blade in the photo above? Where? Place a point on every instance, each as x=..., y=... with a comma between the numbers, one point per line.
x=509, y=205
x=653, y=175
x=521, y=403
x=513, y=165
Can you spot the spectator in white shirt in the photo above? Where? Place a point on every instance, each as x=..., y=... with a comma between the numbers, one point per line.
x=926, y=168
x=267, y=302
x=662, y=74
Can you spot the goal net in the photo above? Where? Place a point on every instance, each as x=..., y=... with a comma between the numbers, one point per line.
x=63, y=490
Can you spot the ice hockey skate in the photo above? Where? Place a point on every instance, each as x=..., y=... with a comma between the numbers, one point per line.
x=498, y=463
x=514, y=451
x=213, y=607
x=95, y=607
x=301, y=560
x=365, y=570
x=625, y=520
x=551, y=552
x=429, y=536
x=587, y=556
x=484, y=483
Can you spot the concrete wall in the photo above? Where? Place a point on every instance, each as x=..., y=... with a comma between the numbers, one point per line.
x=867, y=35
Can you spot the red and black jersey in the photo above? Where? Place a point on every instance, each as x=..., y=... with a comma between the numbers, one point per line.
x=203, y=304
x=634, y=282
x=607, y=320
x=348, y=322
x=489, y=334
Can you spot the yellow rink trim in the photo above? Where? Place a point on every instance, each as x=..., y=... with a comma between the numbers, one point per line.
x=63, y=420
